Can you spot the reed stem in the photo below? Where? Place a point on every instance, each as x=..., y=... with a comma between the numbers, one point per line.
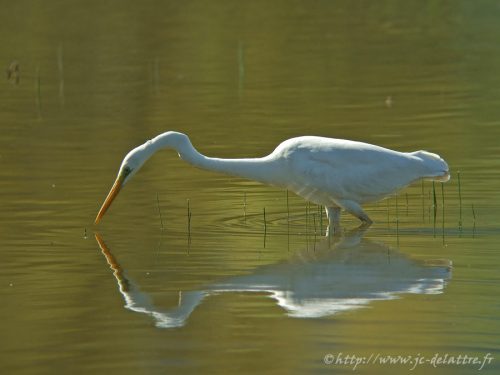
x=442, y=211
x=434, y=206
x=287, y=208
x=397, y=221
x=241, y=67
x=265, y=227
x=307, y=217
x=159, y=211
x=407, y=205
x=38, y=92
x=245, y=207
x=60, y=67
x=388, y=214
x=156, y=74
x=189, y=214
x=423, y=202
x=460, y=203
x=474, y=222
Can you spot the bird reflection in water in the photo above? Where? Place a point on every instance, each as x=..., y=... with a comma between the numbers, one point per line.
x=346, y=274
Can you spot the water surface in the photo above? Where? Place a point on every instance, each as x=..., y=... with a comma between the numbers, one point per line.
x=242, y=295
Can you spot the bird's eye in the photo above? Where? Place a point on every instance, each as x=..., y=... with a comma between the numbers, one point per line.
x=127, y=170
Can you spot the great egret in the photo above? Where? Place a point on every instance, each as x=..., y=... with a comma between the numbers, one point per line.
x=335, y=173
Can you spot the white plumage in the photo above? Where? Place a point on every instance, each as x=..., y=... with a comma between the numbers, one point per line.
x=335, y=173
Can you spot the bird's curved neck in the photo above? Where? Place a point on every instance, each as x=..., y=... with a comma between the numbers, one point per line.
x=258, y=169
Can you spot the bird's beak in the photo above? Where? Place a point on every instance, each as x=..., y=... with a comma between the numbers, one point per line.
x=115, y=189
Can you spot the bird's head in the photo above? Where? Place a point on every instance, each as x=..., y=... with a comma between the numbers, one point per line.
x=132, y=162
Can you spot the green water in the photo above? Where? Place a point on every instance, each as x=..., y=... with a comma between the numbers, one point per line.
x=230, y=293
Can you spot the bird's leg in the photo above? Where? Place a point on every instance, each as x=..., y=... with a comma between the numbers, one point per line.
x=333, y=214
x=355, y=209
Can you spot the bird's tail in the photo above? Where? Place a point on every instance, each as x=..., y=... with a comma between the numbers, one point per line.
x=435, y=167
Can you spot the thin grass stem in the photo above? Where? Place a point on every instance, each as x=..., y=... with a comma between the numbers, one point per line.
x=38, y=92
x=460, y=225
x=245, y=207
x=442, y=210
x=265, y=227
x=434, y=206
x=60, y=68
x=189, y=214
x=423, y=202
x=159, y=211
x=474, y=222
x=407, y=205
x=397, y=221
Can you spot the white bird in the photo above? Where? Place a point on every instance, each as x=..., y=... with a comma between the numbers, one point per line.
x=335, y=173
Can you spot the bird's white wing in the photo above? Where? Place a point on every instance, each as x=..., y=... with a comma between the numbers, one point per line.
x=325, y=170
